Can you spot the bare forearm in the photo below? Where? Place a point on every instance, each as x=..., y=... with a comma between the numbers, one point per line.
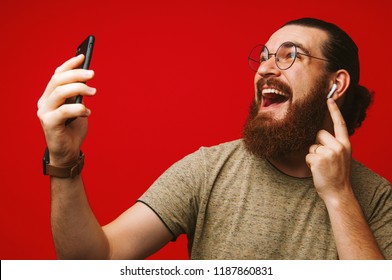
x=76, y=232
x=353, y=237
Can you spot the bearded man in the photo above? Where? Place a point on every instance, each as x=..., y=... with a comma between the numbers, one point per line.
x=288, y=190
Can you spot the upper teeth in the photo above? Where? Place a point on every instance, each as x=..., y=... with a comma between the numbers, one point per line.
x=272, y=90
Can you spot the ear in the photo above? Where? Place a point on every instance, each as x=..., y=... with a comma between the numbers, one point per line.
x=342, y=81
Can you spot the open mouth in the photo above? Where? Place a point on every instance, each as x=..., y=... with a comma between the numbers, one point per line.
x=271, y=97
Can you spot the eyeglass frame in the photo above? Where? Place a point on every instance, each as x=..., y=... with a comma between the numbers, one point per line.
x=274, y=54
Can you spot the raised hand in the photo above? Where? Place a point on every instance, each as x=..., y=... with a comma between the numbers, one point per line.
x=330, y=158
x=67, y=82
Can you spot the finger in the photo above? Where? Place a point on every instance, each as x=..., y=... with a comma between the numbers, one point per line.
x=63, y=113
x=313, y=148
x=64, y=92
x=325, y=138
x=317, y=149
x=71, y=63
x=62, y=78
x=70, y=76
x=314, y=162
x=339, y=124
x=310, y=159
x=75, y=110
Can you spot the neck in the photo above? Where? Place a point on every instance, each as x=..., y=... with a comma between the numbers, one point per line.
x=293, y=164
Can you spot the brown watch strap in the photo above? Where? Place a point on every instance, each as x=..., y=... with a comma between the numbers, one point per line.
x=66, y=171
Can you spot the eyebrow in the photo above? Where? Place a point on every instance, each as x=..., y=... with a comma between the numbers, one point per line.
x=299, y=46
x=302, y=48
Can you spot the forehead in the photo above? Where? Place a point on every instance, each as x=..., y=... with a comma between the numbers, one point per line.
x=309, y=37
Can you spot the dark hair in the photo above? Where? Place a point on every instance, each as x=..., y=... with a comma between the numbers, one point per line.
x=342, y=53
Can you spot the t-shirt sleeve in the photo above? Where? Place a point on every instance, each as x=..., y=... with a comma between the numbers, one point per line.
x=174, y=196
x=381, y=219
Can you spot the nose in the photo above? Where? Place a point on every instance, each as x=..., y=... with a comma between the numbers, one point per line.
x=269, y=68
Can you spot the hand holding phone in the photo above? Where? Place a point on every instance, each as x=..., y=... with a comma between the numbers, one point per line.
x=86, y=48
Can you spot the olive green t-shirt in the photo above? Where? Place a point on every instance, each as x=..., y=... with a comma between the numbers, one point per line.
x=233, y=205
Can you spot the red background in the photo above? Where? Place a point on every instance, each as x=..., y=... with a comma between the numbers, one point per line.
x=171, y=76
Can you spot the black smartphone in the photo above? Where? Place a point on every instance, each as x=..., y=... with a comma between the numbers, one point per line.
x=86, y=48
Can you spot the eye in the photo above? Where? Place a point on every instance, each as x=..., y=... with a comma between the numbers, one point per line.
x=290, y=55
x=299, y=55
x=286, y=55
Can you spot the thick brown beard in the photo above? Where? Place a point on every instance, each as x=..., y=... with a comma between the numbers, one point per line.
x=266, y=137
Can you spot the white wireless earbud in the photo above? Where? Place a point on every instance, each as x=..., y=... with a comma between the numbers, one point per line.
x=334, y=86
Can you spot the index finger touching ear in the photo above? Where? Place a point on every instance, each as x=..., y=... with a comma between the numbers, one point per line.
x=341, y=132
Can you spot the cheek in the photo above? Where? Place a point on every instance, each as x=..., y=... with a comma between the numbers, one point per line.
x=300, y=87
x=300, y=94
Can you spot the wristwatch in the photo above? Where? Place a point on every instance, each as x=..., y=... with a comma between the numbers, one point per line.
x=62, y=172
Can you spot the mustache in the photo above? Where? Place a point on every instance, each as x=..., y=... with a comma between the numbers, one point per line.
x=281, y=86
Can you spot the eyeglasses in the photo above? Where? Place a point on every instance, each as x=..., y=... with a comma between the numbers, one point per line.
x=284, y=57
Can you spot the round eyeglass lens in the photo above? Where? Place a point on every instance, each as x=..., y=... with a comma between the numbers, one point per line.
x=285, y=55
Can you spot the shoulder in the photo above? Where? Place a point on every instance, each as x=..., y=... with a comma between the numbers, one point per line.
x=369, y=187
x=363, y=175
x=224, y=150
x=206, y=160
x=210, y=154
